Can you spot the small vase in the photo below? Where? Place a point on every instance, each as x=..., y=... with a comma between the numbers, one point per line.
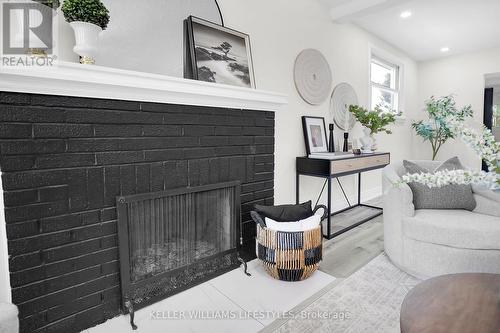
x=374, y=144
x=331, y=143
x=87, y=41
x=367, y=141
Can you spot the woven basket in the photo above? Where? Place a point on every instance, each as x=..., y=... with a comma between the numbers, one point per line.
x=290, y=256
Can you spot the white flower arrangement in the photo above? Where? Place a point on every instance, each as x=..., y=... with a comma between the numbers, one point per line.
x=483, y=143
x=460, y=177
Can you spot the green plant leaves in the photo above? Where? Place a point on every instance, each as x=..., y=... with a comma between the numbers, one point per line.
x=375, y=120
x=91, y=11
x=435, y=129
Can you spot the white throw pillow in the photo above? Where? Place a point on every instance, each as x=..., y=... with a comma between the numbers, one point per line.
x=302, y=225
x=311, y=223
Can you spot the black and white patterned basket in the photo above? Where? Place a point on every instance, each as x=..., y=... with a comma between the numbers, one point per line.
x=290, y=256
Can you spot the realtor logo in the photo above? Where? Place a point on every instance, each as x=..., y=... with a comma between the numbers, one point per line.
x=28, y=33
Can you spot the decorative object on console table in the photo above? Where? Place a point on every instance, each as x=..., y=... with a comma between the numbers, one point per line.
x=343, y=97
x=373, y=122
x=346, y=142
x=315, y=134
x=219, y=54
x=88, y=18
x=367, y=141
x=312, y=76
x=350, y=145
x=333, y=168
x=331, y=143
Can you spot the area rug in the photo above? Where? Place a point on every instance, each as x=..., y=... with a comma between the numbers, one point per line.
x=367, y=301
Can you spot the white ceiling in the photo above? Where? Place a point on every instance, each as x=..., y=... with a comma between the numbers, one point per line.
x=462, y=25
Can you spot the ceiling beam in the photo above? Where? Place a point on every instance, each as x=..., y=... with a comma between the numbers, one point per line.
x=346, y=11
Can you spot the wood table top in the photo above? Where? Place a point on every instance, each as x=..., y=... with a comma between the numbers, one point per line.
x=456, y=303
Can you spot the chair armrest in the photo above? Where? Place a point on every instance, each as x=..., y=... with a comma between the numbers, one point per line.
x=398, y=205
x=486, y=192
x=398, y=197
x=486, y=206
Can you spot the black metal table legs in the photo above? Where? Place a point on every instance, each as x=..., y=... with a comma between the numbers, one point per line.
x=329, y=234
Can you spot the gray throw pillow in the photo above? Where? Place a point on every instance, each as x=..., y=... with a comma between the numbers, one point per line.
x=446, y=197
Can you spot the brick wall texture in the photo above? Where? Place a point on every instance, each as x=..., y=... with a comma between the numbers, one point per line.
x=65, y=159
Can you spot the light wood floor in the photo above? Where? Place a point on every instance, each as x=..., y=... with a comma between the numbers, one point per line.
x=350, y=251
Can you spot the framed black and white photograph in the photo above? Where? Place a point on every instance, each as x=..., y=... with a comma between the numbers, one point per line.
x=315, y=134
x=219, y=54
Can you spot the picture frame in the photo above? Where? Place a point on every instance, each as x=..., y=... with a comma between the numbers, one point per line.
x=315, y=136
x=217, y=54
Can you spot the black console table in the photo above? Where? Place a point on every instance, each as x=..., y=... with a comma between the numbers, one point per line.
x=330, y=169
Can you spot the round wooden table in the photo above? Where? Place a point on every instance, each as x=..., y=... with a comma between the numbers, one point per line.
x=457, y=303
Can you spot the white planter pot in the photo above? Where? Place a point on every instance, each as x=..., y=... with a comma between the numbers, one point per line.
x=368, y=144
x=87, y=41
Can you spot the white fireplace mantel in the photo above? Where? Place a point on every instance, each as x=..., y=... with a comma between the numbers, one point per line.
x=72, y=79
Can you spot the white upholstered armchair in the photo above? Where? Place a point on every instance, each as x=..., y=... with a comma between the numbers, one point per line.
x=431, y=242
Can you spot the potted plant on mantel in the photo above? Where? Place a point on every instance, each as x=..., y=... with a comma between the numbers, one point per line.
x=88, y=18
x=373, y=122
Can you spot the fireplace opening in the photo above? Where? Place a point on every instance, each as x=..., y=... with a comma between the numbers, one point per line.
x=172, y=240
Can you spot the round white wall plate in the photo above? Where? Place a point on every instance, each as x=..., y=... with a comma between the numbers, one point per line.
x=313, y=76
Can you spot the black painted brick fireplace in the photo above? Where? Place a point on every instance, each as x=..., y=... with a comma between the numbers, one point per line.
x=65, y=159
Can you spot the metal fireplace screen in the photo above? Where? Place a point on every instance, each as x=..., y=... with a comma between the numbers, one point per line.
x=172, y=240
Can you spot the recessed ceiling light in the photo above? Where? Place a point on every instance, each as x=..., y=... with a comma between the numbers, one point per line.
x=406, y=14
x=445, y=49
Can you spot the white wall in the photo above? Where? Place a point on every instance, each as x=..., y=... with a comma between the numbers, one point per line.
x=279, y=30
x=145, y=36
x=462, y=76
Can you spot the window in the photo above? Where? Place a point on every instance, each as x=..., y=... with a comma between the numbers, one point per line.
x=384, y=84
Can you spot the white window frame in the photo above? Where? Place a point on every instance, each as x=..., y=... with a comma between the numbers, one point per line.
x=386, y=59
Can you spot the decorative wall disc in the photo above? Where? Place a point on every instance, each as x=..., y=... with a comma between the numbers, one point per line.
x=343, y=96
x=313, y=77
